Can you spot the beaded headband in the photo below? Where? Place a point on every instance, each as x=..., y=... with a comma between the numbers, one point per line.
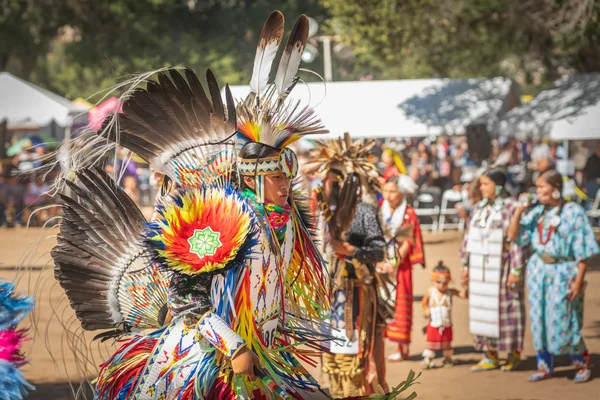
x=285, y=162
x=440, y=277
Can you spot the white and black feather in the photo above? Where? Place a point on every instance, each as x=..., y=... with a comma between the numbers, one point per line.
x=100, y=259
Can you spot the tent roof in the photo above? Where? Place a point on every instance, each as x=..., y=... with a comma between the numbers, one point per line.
x=401, y=108
x=569, y=110
x=23, y=103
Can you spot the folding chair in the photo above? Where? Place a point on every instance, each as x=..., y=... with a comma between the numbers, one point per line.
x=449, y=199
x=427, y=211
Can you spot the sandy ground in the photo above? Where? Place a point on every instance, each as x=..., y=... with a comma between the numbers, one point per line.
x=49, y=374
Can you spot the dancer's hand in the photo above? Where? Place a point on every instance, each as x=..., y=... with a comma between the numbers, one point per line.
x=343, y=248
x=464, y=277
x=384, y=267
x=244, y=362
x=512, y=281
x=576, y=289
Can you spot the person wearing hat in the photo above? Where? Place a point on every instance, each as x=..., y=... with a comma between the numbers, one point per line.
x=494, y=267
x=404, y=249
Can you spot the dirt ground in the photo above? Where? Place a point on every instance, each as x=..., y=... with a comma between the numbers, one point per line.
x=48, y=372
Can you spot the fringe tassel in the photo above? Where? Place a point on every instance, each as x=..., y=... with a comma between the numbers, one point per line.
x=119, y=374
x=10, y=346
x=12, y=384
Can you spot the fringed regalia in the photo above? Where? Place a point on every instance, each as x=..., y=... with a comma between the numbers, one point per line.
x=220, y=269
x=356, y=366
x=13, y=309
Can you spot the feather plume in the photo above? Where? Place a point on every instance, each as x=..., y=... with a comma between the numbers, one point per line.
x=265, y=116
x=350, y=159
x=292, y=55
x=346, y=156
x=268, y=44
x=100, y=259
x=178, y=129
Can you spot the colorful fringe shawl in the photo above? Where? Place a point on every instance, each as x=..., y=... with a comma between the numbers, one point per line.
x=13, y=309
x=301, y=323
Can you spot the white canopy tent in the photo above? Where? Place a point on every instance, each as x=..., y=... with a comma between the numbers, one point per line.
x=26, y=106
x=402, y=108
x=569, y=110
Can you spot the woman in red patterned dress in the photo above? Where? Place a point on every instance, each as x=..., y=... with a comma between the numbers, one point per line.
x=402, y=254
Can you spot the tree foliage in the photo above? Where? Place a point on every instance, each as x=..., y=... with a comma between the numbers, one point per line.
x=84, y=46
x=537, y=39
x=77, y=47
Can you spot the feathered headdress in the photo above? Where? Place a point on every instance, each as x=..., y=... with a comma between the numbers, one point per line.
x=266, y=116
x=178, y=129
x=350, y=159
x=347, y=157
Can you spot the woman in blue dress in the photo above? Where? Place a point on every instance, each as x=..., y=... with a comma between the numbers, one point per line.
x=562, y=241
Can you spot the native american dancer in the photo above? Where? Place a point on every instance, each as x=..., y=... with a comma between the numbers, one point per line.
x=562, y=240
x=353, y=243
x=494, y=266
x=228, y=273
x=401, y=255
x=13, y=309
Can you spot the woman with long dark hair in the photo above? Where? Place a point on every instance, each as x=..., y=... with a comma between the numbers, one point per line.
x=494, y=265
x=562, y=240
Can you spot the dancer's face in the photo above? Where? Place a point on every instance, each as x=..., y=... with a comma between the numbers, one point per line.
x=544, y=191
x=442, y=287
x=277, y=188
x=387, y=160
x=391, y=194
x=331, y=183
x=487, y=187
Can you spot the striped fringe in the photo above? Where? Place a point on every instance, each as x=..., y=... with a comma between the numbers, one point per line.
x=119, y=374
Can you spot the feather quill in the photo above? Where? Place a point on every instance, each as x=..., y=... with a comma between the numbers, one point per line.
x=292, y=55
x=268, y=44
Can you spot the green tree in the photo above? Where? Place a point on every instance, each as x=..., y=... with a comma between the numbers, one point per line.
x=90, y=45
x=27, y=29
x=537, y=39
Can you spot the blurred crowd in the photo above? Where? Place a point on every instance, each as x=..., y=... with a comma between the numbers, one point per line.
x=436, y=166
x=447, y=164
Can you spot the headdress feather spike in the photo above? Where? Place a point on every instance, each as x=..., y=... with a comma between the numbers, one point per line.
x=292, y=55
x=268, y=44
x=346, y=156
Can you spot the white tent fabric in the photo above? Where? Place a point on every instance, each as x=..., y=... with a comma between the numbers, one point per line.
x=401, y=108
x=22, y=103
x=569, y=110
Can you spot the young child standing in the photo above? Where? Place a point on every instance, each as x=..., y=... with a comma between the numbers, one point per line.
x=437, y=306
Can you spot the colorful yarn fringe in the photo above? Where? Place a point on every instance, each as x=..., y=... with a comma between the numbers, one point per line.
x=12, y=310
x=119, y=374
x=10, y=346
x=13, y=385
